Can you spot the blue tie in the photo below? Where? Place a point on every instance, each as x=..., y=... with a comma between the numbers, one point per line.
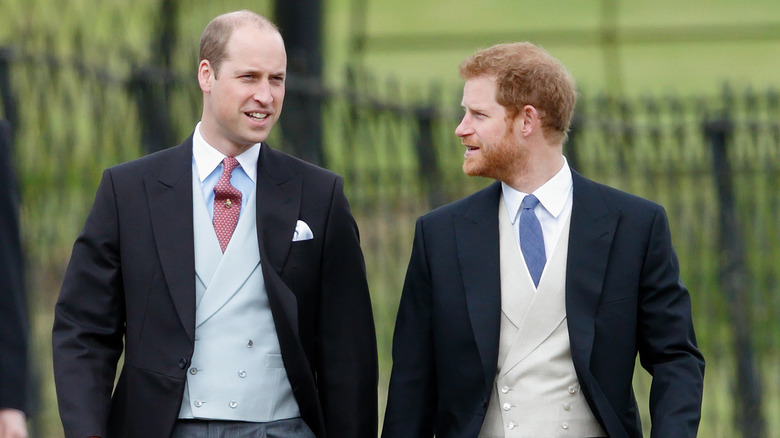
x=531, y=238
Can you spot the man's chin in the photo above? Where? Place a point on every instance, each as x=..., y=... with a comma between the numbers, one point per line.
x=252, y=138
x=479, y=169
x=472, y=169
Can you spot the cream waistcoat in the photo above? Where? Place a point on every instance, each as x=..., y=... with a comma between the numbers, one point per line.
x=536, y=392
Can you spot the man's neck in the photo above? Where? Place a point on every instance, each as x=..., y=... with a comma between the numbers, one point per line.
x=535, y=173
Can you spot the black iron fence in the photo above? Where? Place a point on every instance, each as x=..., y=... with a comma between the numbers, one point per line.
x=712, y=161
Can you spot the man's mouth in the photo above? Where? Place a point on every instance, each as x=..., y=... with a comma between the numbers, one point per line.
x=470, y=150
x=257, y=116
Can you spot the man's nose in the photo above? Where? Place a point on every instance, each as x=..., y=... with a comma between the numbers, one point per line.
x=263, y=92
x=464, y=128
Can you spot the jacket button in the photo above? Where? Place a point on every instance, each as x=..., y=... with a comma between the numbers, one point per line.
x=182, y=363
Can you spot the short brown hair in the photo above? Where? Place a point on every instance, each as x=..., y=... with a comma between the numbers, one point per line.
x=213, y=41
x=527, y=75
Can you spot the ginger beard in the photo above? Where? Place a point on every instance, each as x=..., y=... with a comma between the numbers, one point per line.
x=498, y=160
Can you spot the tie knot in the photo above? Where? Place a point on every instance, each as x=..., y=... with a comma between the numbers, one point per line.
x=230, y=163
x=529, y=202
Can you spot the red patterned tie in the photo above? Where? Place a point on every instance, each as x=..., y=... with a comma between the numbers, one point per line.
x=227, y=204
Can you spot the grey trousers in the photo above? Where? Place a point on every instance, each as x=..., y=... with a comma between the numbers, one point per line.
x=291, y=428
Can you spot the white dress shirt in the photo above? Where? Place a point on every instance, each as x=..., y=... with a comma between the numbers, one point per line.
x=554, y=208
x=207, y=162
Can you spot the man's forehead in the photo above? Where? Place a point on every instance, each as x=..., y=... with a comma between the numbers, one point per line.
x=247, y=34
x=479, y=89
x=246, y=53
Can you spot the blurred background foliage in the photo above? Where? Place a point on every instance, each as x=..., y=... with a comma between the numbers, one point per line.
x=656, y=80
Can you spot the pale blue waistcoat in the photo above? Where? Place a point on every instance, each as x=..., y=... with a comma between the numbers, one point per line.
x=236, y=371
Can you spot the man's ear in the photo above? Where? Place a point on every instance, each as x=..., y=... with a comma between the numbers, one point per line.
x=529, y=119
x=205, y=75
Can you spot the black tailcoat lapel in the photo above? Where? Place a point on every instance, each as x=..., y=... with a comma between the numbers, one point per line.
x=590, y=240
x=279, y=193
x=592, y=230
x=476, y=234
x=170, y=206
x=278, y=206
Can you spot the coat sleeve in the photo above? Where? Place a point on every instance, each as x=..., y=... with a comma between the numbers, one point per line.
x=412, y=400
x=347, y=375
x=13, y=307
x=89, y=321
x=666, y=339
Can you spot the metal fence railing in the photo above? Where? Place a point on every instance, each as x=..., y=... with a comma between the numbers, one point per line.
x=711, y=161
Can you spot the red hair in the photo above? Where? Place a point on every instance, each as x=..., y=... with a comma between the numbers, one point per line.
x=528, y=75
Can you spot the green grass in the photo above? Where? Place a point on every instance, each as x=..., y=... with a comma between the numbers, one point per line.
x=664, y=46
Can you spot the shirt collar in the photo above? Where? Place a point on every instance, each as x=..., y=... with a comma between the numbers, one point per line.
x=552, y=195
x=207, y=158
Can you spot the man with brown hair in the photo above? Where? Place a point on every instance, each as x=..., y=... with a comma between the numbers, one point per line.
x=525, y=304
x=229, y=274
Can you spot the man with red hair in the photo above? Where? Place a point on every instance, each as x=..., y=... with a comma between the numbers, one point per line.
x=526, y=304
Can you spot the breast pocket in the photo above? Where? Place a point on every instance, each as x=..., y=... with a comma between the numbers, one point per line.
x=302, y=247
x=302, y=271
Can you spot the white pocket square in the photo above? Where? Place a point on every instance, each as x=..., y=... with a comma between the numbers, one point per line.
x=302, y=232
